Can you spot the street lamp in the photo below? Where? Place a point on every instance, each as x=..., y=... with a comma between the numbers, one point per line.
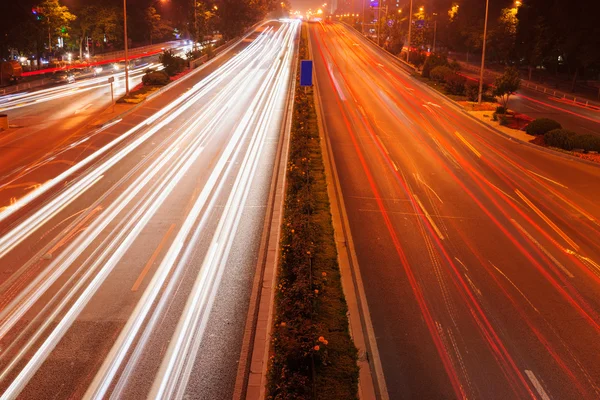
x=487, y=3
x=126, y=58
x=409, y=30
x=434, y=31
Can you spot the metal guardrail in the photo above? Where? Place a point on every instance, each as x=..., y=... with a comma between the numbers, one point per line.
x=138, y=50
x=133, y=53
x=25, y=86
x=538, y=88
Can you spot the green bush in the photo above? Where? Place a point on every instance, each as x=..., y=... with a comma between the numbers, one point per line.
x=209, y=51
x=417, y=59
x=455, y=66
x=542, y=125
x=472, y=90
x=433, y=61
x=501, y=110
x=439, y=73
x=503, y=120
x=158, y=78
x=587, y=142
x=455, y=84
x=172, y=63
x=561, y=138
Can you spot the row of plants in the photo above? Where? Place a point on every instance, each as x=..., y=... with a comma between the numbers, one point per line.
x=312, y=353
x=153, y=80
x=444, y=73
x=555, y=136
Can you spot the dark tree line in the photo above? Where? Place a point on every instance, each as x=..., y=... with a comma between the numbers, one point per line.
x=560, y=36
x=32, y=27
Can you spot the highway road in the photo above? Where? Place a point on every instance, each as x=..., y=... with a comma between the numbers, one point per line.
x=127, y=269
x=479, y=255
x=47, y=121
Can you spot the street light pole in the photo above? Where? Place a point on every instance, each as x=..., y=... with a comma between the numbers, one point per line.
x=363, y=12
x=126, y=58
x=479, y=98
x=434, y=31
x=410, y=14
x=195, y=23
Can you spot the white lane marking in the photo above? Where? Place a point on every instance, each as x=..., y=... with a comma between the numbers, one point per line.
x=547, y=220
x=537, y=385
x=435, y=228
x=462, y=139
x=514, y=285
x=546, y=252
x=418, y=177
x=338, y=88
x=83, y=108
x=548, y=179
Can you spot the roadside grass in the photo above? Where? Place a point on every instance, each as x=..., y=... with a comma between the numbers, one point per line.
x=138, y=94
x=312, y=353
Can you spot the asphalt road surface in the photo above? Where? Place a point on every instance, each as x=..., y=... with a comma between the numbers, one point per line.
x=46, y=121
x=127, y=265
x=479, y=255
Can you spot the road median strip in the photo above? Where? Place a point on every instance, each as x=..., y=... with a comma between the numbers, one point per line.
x=312, y=355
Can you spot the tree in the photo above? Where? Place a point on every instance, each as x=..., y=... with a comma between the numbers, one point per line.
x=235, y=16
x=503, y=35
x=55, y=19
x=394, y=31
x=106, y=27
x=506, y=85
x=204, y=19
x=157, y=28
x=84, y=24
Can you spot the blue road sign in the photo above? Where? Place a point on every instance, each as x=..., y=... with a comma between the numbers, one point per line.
x=306, y=73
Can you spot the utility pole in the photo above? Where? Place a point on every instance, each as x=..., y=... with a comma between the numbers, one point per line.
x=487, y=3
x=434, y=31
x=126, y=58
x=410, y=14
x=363, y=15
x=195, y=22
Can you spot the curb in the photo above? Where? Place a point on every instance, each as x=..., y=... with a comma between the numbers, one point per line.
x=252, y=371
x=371, y=382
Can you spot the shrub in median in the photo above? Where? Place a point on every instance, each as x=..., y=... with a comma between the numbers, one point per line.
x=440, y=73
x=313, y=356
x=455, y=66
x=472, y=90
x=561, y=138
x=455, y=84
x=587, y=142
x=542, y=125
x=501, y=110
x=155, y=78
x=172, y=63
x=433, y=61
